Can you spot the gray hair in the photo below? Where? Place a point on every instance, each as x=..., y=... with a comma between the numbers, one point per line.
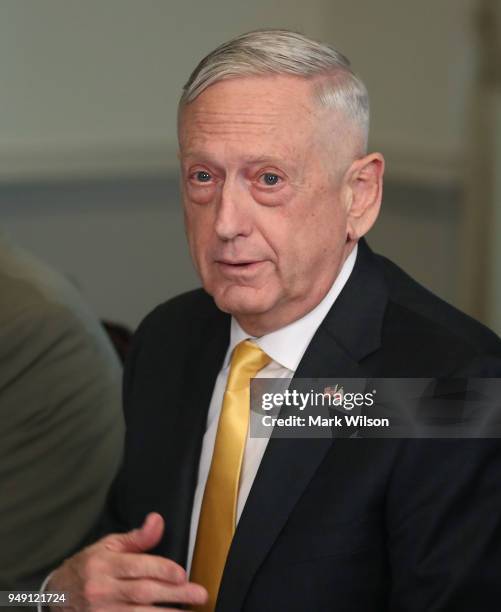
x=263, y=52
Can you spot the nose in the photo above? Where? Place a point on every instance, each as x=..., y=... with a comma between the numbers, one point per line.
x=233, y=212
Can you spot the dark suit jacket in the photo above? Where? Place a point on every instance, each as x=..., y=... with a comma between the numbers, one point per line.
x=330, y=525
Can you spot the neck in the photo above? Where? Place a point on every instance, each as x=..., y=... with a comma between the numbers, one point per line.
x=288, y=311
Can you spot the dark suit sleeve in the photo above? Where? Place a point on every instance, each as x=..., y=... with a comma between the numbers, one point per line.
x=113, y=518
x=444, y=521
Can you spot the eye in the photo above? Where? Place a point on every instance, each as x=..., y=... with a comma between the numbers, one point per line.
x=202, y=176
x=270, y=179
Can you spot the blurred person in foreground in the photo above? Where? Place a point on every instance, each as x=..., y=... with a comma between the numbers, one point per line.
x=61, y=423
x=278, y=192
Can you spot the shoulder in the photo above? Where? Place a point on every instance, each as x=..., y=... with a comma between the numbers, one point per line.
x=166, y=346
x=180, y=313
x=429, y=325
x=56, y=358
x=37, y=332
x=39, y=305
x=169, y=332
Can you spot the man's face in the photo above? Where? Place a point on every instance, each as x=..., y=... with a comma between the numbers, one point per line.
x=263, y=198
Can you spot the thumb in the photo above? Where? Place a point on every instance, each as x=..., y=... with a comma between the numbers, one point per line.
x=138, y=540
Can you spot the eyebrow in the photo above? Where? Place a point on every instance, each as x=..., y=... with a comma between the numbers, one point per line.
x=249, y=159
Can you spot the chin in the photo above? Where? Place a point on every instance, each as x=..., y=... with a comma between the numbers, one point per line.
x=238, y=300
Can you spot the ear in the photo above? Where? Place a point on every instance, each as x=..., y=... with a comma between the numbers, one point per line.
x=364, y=181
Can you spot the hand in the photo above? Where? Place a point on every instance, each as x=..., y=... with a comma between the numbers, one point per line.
x=115, y=575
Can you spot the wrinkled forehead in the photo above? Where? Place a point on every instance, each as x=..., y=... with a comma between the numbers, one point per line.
x=271, y=106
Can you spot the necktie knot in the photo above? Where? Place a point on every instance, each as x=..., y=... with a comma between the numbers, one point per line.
x=246, y=361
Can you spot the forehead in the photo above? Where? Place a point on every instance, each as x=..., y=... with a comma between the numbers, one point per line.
x=271, y=112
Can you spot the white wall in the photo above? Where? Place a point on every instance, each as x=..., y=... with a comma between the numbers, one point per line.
x=92, y=86
x=417, y=59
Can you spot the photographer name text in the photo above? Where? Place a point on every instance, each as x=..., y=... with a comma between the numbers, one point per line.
x=319, y=421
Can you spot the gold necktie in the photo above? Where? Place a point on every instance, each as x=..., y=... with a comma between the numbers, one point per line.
x=217, y=521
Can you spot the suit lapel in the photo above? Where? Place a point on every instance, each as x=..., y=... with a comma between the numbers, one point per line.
x=350, y=331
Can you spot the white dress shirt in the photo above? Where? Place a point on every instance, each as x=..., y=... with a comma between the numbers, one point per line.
x=286, y=347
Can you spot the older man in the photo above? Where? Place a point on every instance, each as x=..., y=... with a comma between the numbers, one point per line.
x=278, y=190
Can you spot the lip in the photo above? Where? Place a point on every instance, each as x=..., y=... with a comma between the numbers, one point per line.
x=239, y=268
x=241, y=262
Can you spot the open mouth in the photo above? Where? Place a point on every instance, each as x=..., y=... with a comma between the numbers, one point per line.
x=239, y=263
x=227, y=262
x=239, y=266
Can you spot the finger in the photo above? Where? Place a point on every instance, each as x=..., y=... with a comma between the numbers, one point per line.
x=138, y=540
x=136, y=565
x=147, y=591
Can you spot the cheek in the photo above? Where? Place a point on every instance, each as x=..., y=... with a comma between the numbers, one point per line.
x=318, y=233
x=275, y=230
x=201, y=196
x=198, y=232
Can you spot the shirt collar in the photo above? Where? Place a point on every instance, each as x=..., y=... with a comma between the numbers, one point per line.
x=288, y=344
